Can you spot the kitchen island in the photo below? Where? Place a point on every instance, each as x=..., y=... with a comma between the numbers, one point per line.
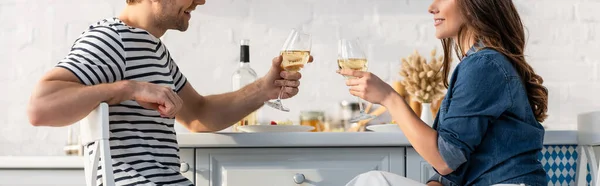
x=325, y=158
x=231, y=159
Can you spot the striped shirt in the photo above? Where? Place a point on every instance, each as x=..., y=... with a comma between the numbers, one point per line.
x=143, y=145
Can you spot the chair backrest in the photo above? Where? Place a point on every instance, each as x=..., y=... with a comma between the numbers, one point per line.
x=95, y=136
x=588, y=127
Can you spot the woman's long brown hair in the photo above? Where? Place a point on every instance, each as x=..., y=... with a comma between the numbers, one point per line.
x=498, y=25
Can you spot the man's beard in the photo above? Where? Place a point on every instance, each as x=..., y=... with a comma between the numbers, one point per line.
x=171, y=22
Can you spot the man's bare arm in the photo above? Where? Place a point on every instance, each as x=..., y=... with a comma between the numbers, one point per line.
x=217, y=112
x=60, y=99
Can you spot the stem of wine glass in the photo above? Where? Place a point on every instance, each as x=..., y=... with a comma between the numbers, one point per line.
x=280, y=92
x=360, y=105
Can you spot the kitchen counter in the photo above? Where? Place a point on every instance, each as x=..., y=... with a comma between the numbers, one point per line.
x=291, y=139
x=41, y=162
x=332, y=158
x=231, y=140
x=321, y=139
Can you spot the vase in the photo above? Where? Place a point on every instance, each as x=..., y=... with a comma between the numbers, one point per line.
x=426, y=114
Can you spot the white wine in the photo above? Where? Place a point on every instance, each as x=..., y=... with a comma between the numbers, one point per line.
x=294, y=60
x=353, y=63
x=357, y=64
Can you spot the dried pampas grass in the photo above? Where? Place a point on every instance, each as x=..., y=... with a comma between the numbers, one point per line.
x=422, y=80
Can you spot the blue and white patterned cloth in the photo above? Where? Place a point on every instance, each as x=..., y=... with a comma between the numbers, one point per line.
x=560, y=164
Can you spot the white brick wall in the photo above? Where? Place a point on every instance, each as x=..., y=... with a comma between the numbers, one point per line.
x=563, y=47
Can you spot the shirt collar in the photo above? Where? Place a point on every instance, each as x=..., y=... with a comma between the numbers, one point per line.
x=476, y=47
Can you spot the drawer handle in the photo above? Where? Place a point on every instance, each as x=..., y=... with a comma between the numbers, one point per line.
x=184, y=167
x=299, y=178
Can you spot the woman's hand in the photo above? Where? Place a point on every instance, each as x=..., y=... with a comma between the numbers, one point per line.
x=367, y=86
x=434, y=183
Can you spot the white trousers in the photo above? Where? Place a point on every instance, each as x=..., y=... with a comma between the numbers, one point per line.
x=382, y=178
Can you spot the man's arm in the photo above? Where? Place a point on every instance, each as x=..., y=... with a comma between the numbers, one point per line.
x=91, y=73
x=217, y=112
x=87, y=76
x=60, y=99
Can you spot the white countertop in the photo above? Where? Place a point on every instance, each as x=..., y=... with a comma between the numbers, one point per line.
x=324, y=139
x=41, y=162
x=231, y=140
x=291, y=139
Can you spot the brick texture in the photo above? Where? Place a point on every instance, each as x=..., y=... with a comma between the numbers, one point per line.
x=563, y=45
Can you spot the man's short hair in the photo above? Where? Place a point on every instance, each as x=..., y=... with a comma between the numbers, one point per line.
x=133, y=1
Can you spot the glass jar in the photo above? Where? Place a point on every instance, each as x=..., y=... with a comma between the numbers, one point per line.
x=314, y=119
x=349, y=110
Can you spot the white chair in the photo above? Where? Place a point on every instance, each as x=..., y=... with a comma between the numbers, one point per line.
x=94, y=129
x=588, y=136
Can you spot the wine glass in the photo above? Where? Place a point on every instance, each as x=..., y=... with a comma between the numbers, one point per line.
x=351, y=56
x=295, y=53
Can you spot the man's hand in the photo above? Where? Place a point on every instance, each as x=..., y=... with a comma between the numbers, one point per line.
x=276, y=78
x=156, y=97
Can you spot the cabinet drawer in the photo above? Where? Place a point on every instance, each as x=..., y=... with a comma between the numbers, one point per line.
x=287, y=166
x=187, y=163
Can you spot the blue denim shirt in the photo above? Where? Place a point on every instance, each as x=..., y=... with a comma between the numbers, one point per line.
x=487, y=132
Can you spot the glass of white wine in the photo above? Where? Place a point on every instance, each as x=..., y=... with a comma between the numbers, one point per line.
x=351, y=56
x=295, y=53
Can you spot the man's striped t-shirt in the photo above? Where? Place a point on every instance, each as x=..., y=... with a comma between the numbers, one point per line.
x=143, y=144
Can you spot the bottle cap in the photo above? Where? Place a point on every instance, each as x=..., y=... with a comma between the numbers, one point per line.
x=245, y=51
x=245, y=42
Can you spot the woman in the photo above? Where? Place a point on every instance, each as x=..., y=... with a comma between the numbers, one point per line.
x=488, y=128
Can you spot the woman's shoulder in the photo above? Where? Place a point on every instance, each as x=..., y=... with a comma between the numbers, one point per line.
x=488, y=61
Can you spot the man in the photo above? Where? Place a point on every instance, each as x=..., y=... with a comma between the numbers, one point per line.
x=122, y=62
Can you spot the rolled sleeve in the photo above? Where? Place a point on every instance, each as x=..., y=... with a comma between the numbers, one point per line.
x=436, y=178
x=479, y=95
x=452, y=155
